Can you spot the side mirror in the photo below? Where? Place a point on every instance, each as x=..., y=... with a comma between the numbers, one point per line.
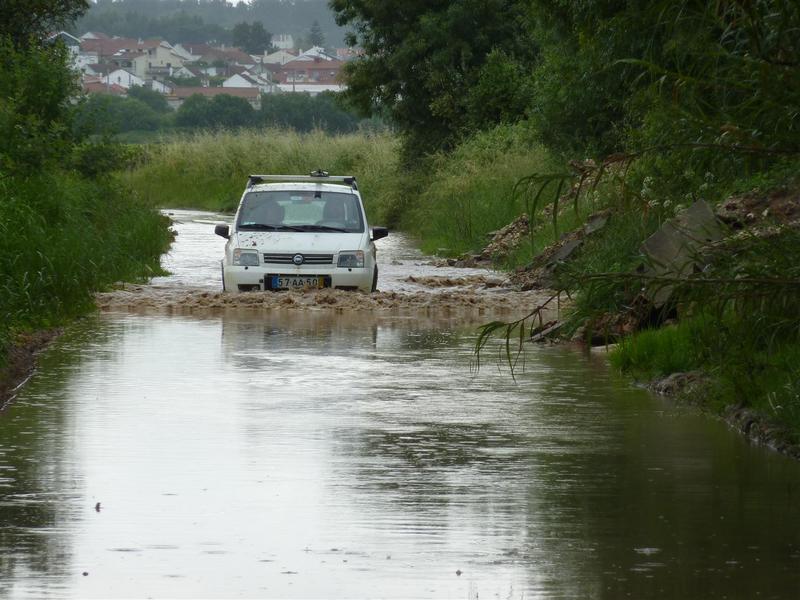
x=379, y=232
x=222, y=230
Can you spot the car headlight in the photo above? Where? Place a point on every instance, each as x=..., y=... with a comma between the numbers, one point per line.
x=351, y=260
x=245, y=258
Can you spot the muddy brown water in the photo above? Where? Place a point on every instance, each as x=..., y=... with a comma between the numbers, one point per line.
x=319, y=452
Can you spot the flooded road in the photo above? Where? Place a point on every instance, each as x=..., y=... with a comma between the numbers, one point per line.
x=325, y=453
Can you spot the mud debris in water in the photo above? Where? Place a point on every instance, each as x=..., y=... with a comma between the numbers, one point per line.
x=472, y=281
x=496, y=301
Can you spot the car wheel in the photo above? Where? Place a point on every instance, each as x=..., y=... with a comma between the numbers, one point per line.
x=375, y=279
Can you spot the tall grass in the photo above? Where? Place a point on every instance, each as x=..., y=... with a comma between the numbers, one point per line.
x=470, y=192
x=450, y=204
x=209, y=169
x=61, y=237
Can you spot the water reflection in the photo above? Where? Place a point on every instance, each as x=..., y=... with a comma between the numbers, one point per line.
x=322, y=455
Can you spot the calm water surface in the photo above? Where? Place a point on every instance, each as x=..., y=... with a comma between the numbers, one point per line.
x=311, y=455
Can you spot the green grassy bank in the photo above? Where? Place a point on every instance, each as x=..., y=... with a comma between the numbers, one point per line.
x=63, y=237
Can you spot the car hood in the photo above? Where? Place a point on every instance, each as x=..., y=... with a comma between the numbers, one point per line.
x=295, y=241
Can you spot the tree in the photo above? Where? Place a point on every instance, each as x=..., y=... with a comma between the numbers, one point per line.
x=252, y=38
x=260, y=39
x=194, y=112
x=221, y=111
x=106, y=115
x=35, y=90
x=22, y=20
x=230, y=112
x=150, y=97
x=303, y=112
x=316, y=36
x=421, y=60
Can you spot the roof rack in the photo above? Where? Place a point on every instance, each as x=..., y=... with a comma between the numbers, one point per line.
x=318, y=176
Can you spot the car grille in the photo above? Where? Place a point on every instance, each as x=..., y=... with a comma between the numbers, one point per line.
x=308, y=259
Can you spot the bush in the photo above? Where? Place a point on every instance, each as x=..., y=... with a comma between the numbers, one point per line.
x=103, y=114
x=35, y=92
x=155, y=100
x=61, y=237
x=468, y=193
x=223, y=111
x=303, y=113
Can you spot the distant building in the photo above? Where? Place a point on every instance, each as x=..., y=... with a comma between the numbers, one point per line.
x=281, y=57
x=348, y=54
x=313, y=71
x=98, y=69
x=123, y=78
x=283, y=41
x=160, y=87
x=93, y=35
x=250, y=80
x=147, y=59
x=100, y=87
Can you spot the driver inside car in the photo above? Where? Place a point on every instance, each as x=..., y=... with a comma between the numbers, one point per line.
x=334, y=212
x=268, y=213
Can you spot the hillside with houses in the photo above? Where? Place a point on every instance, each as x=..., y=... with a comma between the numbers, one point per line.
x=113, y=65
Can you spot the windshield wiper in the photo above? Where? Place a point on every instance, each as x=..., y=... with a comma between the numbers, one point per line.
x=265, y=227
x=321, y=228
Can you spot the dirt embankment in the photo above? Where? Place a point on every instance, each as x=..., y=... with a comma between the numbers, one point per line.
x=694, y=387
x=21, y=362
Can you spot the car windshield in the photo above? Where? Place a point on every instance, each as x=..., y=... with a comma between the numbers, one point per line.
x=301, y=210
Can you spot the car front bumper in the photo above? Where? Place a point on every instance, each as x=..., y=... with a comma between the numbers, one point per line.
x=241, y=279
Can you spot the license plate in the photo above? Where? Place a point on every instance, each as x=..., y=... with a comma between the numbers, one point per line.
x=282, y=282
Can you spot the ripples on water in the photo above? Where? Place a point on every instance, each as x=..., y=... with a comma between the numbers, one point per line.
x=321, y=455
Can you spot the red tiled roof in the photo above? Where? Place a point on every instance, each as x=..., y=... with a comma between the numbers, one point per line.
x=196, y=49
x=97, y=87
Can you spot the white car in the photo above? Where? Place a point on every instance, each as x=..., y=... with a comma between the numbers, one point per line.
x=300, y=231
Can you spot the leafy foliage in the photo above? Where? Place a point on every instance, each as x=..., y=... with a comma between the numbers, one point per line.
x=155, y=100
x=421, y=60
x=252, y=37
x=221, y=111
x=103, y=114
x=35, y=91
x=27, y=21
x=316, y=36
x=64, y=231
x=303, y=112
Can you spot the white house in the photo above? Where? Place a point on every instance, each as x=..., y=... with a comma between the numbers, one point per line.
x=315, y=53
x=160, y=87
x=249, y=80
x=182, y=72
x=281, y=57
x=185, y=55
x=283, y=41
x=148, y=60
x=82, y=62
x=93, y=35
x=123, y=78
